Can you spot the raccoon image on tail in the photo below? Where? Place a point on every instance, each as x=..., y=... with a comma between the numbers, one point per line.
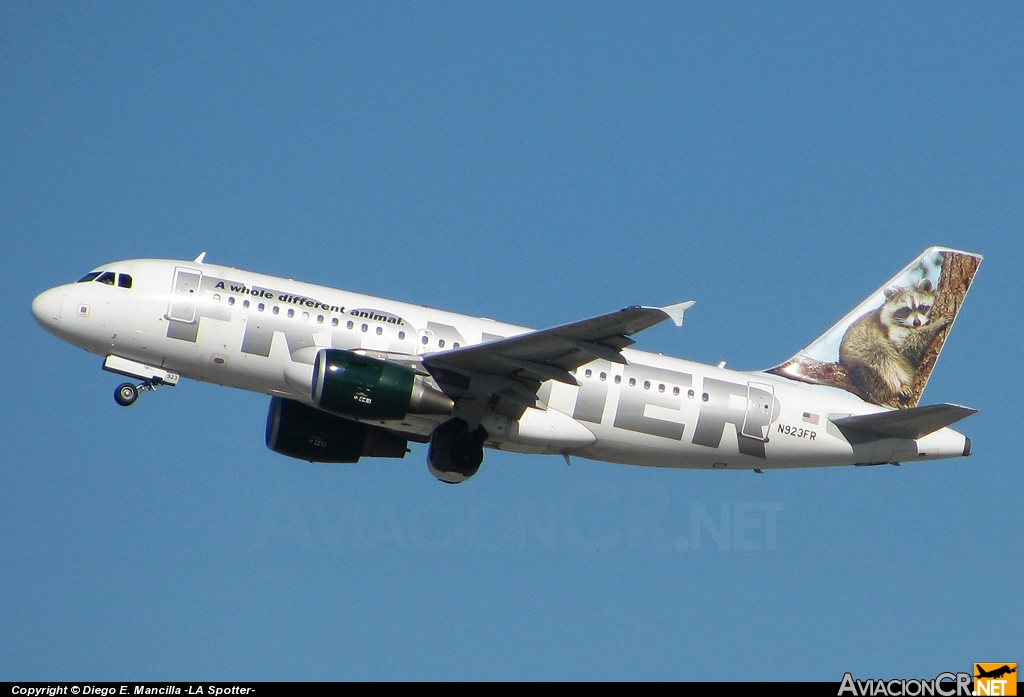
x=883, y=349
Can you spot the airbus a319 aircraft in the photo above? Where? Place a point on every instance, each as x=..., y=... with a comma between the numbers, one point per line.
x=353, y=376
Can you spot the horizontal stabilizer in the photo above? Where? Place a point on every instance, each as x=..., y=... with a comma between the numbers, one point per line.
x=905, y=423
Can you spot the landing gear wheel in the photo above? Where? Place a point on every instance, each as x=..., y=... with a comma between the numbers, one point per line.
x=126, y=394
x=455, y=452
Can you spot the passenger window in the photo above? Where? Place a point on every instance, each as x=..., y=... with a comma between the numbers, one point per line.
x=107, y=278
x=675, y=391
x=124, y=280
x=647, y=384
x=349, y=325
x=319, y=319
x=260, y=307
x=276, y=309
x=587, y=373
x=661, y=388
x=365, y=328
x=440, y=343
x=291, y=312
x=305, y=315
x=424, y=339
x=334, y=321
x=456, y=344
x=401, y=336
x=231, y=300
x=632, y=382
x=380, y=330
x=245, y=304
x=603, y=376
x=216, y=297
x=618, y=379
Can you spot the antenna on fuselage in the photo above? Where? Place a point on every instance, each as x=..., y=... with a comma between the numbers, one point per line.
x=199, y=259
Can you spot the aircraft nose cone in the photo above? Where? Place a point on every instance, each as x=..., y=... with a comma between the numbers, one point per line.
x=47, y=306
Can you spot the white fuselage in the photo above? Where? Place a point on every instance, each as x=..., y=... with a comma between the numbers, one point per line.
x=261, y=333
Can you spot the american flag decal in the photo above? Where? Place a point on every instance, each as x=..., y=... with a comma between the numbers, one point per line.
x=811, y=418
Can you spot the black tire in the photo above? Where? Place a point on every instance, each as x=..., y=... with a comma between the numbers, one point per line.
x=455, y=452
x=126, y=394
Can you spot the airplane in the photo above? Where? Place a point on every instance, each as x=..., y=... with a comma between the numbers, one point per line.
x=353, y=376
x=996, y=672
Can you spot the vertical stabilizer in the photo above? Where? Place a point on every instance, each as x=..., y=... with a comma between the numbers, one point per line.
x=884, y=350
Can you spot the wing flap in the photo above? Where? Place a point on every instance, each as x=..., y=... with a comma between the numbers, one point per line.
x=910, y=423
x=540, y=371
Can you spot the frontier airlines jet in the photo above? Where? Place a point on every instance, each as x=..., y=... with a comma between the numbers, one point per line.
x=353, y=376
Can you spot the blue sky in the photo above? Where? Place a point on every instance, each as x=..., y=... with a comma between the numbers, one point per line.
x=537, y=163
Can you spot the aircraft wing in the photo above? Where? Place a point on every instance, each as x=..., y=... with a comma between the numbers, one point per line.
x=532, y=358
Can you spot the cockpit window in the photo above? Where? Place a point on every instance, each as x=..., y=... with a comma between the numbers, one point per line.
x=124, y=280
x=89, y=277
x=106, y=277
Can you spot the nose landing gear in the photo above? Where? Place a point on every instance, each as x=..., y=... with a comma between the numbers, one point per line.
x=126, y=393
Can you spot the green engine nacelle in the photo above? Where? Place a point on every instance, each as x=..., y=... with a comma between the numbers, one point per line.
x=361, y=387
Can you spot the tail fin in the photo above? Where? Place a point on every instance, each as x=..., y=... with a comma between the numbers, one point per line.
x=884, y=350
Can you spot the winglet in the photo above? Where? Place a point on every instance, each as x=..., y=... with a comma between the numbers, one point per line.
x=675, y=312
x=199, y=259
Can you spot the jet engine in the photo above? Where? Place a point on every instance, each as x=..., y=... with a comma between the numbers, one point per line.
x=348, y=384
x=300, y=431
x=455, y=451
